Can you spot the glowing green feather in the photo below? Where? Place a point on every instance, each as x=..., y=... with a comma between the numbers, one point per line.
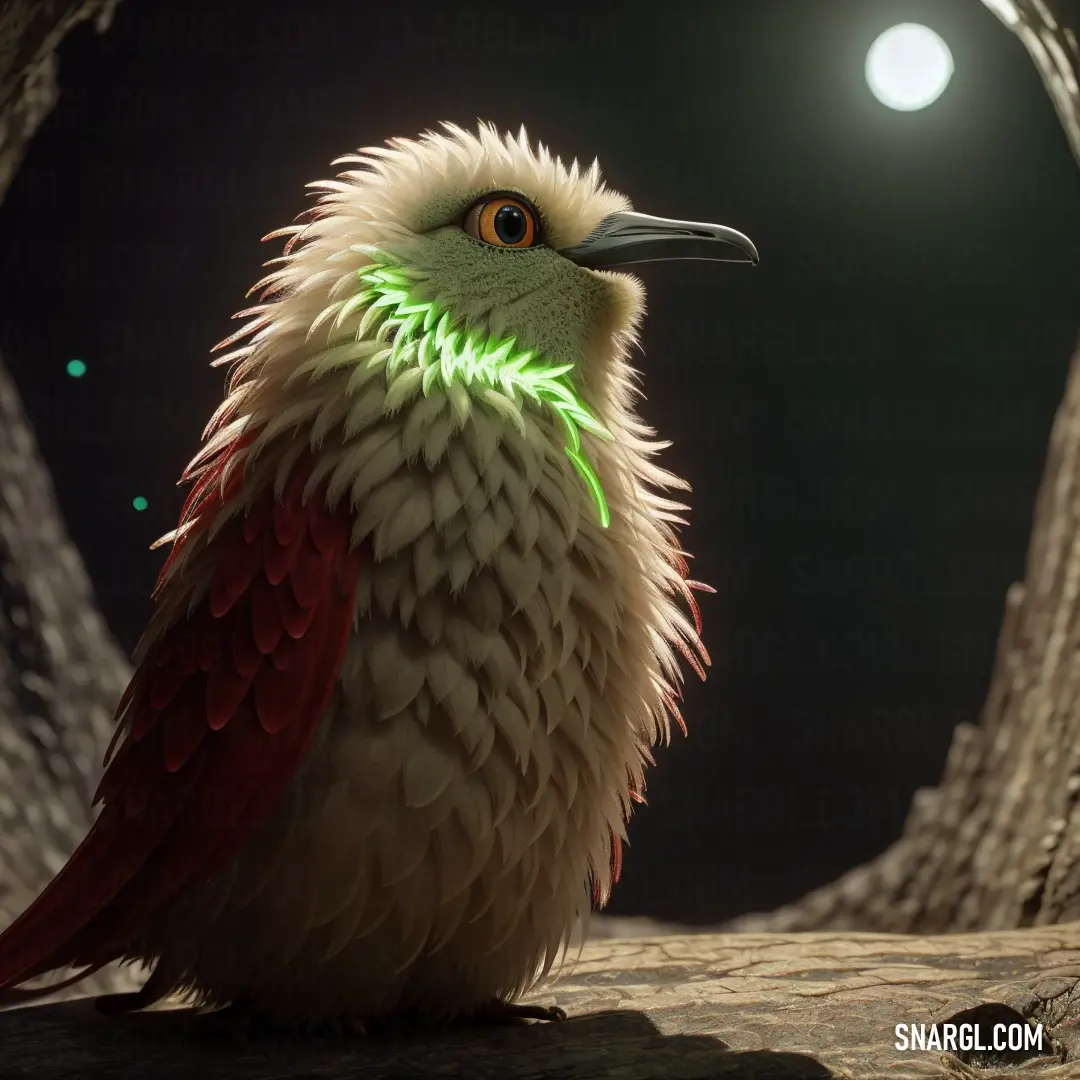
x=426, y=338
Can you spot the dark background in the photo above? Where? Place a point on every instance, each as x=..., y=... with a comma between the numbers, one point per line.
x=863, y=418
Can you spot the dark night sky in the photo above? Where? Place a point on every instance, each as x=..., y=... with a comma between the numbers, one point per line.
x=863, y=418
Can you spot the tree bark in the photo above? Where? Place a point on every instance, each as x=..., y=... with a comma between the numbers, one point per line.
x=30, y=33
x=61, y=673
x=997, y=844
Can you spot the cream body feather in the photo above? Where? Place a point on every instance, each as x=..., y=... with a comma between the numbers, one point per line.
x=512, y=659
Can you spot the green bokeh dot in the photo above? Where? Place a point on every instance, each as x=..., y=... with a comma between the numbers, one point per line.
x=76, y=368
x=139, y=503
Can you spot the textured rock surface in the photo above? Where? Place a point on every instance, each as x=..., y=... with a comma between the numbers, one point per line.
x=696, y=1007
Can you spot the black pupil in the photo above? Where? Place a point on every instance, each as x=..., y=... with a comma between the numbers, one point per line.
x=510, y=224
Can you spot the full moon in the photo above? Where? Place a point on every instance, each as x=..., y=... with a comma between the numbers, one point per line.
x=908, y=67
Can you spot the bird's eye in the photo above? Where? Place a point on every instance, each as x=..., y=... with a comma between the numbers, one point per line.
x=503, y=221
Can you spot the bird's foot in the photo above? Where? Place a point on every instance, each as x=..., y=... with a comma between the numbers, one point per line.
x=508, y=1012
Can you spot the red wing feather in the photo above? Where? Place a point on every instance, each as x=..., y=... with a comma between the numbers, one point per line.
x=222, y=710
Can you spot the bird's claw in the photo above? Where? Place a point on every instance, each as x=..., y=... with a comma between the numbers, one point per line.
x=504, y=1012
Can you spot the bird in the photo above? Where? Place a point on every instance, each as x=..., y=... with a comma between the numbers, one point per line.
x=423, y=618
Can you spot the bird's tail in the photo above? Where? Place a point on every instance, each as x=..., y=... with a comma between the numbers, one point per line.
x=77, y=921
x=60, y=930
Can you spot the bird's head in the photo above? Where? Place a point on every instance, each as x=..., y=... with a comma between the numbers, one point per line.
x=475, y=263
x=511, y=242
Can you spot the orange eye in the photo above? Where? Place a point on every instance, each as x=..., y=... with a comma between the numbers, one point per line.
x=503, y=221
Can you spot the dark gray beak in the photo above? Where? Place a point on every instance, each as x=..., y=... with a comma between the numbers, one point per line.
x=627, y=237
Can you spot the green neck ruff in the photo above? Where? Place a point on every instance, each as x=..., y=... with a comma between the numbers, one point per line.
x=425, y=337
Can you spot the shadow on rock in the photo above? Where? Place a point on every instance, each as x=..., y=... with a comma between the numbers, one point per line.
x=73, y=1040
